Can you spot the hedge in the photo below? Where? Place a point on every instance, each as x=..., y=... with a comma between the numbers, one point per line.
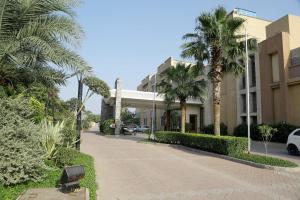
x=226, y=145
x=283, y=131
x=210, y=129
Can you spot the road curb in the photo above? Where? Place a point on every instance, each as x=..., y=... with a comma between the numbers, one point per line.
x=250, y=163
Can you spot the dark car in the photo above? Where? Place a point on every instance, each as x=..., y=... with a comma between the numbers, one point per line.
x=129, y=129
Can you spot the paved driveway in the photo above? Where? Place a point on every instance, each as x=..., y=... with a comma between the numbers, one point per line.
x=130, y=170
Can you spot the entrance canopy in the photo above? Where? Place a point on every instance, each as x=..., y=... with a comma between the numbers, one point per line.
x=140, y=99
x=136, y=99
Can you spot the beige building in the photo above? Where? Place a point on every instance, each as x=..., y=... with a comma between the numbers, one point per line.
x=193, y=111
x=274, y=78
x=280, y=67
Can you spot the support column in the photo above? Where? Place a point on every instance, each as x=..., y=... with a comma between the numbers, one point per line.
x=118, y=106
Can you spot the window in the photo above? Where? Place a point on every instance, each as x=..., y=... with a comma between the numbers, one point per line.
x=243, y=103
x=254, y=119
x=243, y=79
x=243, y=83
x=297, y=133
x=244, y=120
x=275, y=67
x=252, y=68
x=254, y=102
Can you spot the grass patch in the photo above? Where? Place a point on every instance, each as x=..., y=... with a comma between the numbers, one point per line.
x=266, y=160
x=52, y=178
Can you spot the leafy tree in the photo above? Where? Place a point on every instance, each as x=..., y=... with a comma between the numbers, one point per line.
x=216, y=41
x=266, y=134
x=128, y=117
x=95, y=86
x=181, y=83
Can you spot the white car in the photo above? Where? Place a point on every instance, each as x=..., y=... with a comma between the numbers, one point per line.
x=142, y=128
x=293, y=143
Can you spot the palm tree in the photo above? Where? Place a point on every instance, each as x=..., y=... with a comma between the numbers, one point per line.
x=182, y=82
x=39, y=33
x=216, y=41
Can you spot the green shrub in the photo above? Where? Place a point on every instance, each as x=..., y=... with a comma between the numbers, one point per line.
x=52, y=177
x=65, y=157
x=21, y=155
x=69, y=134
x=242, y=131
x=209, y=129
x=51, y=135
x=266, y=160
x=105, y=127
x=283, y=131
x=86, y=124
x=38, y=109
x=226, y=145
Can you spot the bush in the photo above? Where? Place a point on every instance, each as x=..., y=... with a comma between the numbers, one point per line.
x=266, y=160
x=283, y=131
x=105, y=127
x=209, y=129
x=21, y=155
x=69, y=134
x=51, y=135
x=65, y=157
x=52, y=177
x=242, y=131
x=226, y=145
x=86, y=124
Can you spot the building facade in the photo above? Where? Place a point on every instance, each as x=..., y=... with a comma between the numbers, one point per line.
x=274, y=76
x=193, y=115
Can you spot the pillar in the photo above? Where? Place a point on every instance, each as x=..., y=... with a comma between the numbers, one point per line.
x=118, y=106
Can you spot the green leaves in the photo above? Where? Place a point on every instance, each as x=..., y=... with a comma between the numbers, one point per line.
x=182, y=82
x=51, y=136
x=39, y=34
x=97, y=86
x=21, y=156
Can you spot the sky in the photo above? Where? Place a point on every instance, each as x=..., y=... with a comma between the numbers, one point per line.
x=130, y=39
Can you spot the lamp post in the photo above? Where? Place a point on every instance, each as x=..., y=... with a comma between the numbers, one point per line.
x=247, y=91
x=153, y=108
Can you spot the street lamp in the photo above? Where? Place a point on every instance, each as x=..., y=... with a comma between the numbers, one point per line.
x=247, y=91
x=153, y=108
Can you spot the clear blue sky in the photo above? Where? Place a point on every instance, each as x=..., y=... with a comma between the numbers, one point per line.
x=129, y=39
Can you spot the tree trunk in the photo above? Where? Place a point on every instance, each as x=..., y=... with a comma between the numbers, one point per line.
x=78, y=124
x=183, y=116
x=168, y=120
x=216, y=104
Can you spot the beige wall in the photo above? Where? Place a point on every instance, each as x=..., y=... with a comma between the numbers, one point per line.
x=255, y=26
x=229, y=101
x=294, y=97
x=289, y=24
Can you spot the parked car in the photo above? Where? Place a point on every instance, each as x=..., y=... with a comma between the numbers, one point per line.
x=293, y=142
x=132, y=128
x=142, y=128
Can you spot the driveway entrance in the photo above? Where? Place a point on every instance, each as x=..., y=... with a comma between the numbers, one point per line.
x=128, y=169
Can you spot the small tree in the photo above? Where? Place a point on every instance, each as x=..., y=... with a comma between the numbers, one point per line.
x=266, y=134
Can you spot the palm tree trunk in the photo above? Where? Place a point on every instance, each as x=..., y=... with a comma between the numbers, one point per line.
x=183, y=116
x=168, y=120
x=216, y=104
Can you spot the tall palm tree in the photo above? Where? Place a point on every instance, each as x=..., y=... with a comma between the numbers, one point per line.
x=39, y=33
x=182, y=82
x=216, y=41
